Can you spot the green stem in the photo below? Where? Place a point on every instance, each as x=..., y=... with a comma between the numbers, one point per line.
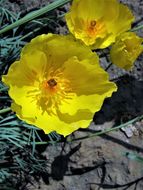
x=109, y=130
x=5, y=110
x=98, y=133
x=136, y=28
x=35, y=14
x=43, y=142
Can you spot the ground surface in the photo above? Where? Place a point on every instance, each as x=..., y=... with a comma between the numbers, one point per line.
x=99, y=163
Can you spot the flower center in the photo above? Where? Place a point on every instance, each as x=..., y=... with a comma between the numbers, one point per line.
x=52, y=82
x=92, y=23
x=53, y=90
x=95, y=28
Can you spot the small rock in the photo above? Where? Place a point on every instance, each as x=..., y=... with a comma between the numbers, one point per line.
x=130, y=131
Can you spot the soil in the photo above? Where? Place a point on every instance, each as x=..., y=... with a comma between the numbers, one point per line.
x=103, y=162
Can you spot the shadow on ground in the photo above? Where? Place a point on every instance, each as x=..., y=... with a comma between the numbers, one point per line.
x=125, y=104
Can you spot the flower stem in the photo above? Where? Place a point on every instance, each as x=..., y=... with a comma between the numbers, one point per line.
x=109, y=130
x=98, y=133
x=5, y=110
x=42, y=142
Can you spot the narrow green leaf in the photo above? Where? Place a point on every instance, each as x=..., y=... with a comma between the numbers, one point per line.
x=5, y=110
x=140, y=27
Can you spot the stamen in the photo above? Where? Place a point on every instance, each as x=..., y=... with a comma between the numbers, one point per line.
x=52, y=92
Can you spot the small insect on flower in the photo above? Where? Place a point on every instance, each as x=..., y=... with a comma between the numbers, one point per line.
x=126, y=50
x=98, y=22
x=58, y=84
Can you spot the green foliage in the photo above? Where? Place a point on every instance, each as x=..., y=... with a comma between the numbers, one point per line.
x=18, y=153
x=35, y=14
x=8, y=15
x=10, y=45
x=10, y=49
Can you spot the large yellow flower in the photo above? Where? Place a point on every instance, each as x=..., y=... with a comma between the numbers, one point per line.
x=126, y=50
x=57, y=84
x=98, y=22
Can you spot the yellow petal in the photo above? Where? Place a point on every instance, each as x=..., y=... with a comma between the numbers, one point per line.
x=90, y=90
x=126, y=50
x=23, y=80
x=63, y=124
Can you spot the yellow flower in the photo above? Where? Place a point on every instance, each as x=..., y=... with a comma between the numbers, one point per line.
x=126, y=50
x=57, y=84
x=98, y=22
